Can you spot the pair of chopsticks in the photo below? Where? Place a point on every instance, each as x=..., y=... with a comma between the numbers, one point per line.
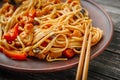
x=83, y=65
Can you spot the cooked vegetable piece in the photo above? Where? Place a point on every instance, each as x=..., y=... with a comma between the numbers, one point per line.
x=17, y=55
x=32, y=13
x=69, y=53
x=14, y=2
x=82, y=11
x=44, y=44
x=77, y=33
x=36, y=50
x=12, y=34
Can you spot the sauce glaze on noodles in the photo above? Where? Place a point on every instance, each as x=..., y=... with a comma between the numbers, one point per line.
x=46, y=28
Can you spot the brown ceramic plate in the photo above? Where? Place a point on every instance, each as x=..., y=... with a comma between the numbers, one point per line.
x=100, y=19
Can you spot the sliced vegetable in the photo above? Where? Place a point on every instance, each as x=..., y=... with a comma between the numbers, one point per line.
x=12, y=34
x=57, y=1
x=77, y=33
x=82, y=11
x=28, y=27
x=17, y=55
x=14, y=2
x=39, y=13
x=44, y=44
x=36, y=50
x=32, y=13
x=69, y=1
x=69, y=53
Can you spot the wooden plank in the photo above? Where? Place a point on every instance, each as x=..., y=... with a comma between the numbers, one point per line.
x=97, y=76
x=116, y=20
x=107, y=64
x=115, y=43
x=61, y=75
x=113, y=3
x=68, y=75
x=112, y=9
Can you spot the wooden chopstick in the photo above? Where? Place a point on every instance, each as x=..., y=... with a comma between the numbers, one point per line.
x=82, y=56
x=87, y=59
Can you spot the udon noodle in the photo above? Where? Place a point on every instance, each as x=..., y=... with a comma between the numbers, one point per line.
x=44, y=29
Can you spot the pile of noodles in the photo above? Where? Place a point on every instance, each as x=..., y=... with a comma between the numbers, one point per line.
x=57, y=26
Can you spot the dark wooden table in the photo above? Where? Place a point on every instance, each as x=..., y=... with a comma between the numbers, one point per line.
x=104, y=67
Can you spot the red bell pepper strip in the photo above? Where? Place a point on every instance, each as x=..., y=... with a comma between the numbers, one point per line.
x=16, y=55
x=11, y=35
x=69, y=53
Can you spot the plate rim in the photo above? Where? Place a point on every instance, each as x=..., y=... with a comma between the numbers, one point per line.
x=21, y=69
x=111, y=26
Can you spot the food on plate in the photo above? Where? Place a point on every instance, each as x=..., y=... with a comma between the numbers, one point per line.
x=47, y=29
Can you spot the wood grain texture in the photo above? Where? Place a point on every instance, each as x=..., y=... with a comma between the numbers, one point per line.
x=104, y=67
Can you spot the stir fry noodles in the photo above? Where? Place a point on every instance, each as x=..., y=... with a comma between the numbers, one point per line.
x=47, y=29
